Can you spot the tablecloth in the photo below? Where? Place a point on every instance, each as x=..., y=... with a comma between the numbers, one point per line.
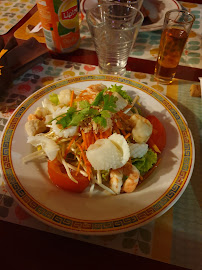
x=176, y=236
x=12, y=11
x=147, y=43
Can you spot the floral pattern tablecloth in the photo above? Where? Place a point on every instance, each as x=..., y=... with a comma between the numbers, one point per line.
x=175, y=237
x=147, y=43
x=12, y=11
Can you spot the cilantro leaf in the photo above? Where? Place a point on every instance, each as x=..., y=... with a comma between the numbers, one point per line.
x=105, y=114
x=118, y=89
x=93, y=112
x=109, y=103
x=99, y=110
x=64, y=121
x=100, y=120
x=84, y=104
x=54, y=98
x=77, y=118
x=65, y=118
x=74, y=118
x=98, y=99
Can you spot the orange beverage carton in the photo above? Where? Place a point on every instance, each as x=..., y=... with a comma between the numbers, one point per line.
x=60, y=22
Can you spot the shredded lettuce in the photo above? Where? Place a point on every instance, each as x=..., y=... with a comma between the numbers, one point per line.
x=145, y=163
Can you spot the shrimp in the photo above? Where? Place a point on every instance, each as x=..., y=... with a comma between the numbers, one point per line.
x=35, y=126
x=95, y=88
x=116, y=178
x=31, y=117
x=41, y=113
x=142, y=129
x=90, y=92
x=133, y=178
x=116, y=181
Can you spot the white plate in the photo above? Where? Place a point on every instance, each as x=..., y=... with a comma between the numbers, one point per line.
x=169, y=4
x=30, y=186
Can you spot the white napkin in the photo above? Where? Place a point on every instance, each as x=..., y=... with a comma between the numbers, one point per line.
x=37, y=28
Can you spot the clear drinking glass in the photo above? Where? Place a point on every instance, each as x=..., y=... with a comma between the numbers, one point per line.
x=177, y=26
x=114, y=28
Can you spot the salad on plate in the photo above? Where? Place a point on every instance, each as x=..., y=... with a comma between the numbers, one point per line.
x=97, y=138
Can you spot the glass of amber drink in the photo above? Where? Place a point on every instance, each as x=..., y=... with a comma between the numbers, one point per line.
x=177, y=25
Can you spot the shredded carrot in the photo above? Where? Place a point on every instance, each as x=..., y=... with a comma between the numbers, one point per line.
x=123, y=116
x=84, y=139
x=107, y=133
x=123, y=132
x=82, y=92
x=104, y=134
x=91, y=138
x=71, y=99
x=119, y=124
x=154, y=146
x=79, y=165
x=127, y=107
x=83, y=145
x=70, y=144
x=87, y=140
x=96, y=138
x=116, y=128
x=88, y=166
x=127, y=136
x=85, y=97
x=82, y=153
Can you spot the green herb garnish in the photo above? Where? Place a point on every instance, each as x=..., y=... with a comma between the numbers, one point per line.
x=109, y=103
x=118, y=89
x=99, y=110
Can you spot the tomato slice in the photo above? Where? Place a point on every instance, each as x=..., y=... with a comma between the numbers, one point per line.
x=158, y=136
x=60, y=178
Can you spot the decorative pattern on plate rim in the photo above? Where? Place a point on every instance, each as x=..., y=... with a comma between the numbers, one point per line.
x=103, y=226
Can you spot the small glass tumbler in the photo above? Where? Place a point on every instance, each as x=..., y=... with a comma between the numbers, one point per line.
x=177, y=26
x=114, y=28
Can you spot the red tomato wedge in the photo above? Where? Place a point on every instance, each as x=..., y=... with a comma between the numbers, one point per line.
x=158, y=136
x=60, y=178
